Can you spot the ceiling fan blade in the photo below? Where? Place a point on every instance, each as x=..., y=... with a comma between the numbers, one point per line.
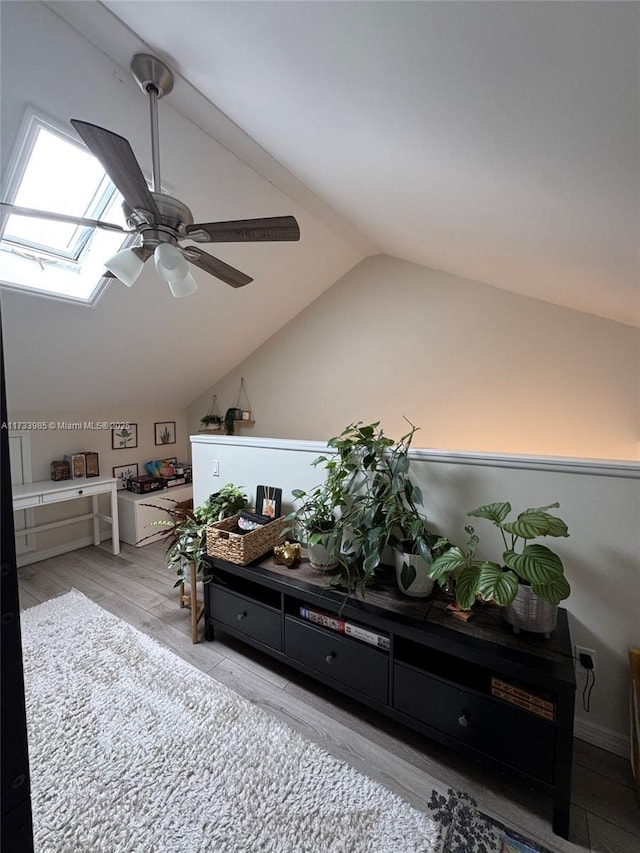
x=214, y=266
x=119, y=162
x=60, y=217
x=245, y=230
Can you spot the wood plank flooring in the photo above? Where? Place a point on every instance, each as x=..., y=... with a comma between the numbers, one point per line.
x=137, y=587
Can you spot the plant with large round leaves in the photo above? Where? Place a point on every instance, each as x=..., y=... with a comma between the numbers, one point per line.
x=533, y=564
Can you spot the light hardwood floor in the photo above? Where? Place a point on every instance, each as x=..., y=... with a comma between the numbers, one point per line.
x=137, y=587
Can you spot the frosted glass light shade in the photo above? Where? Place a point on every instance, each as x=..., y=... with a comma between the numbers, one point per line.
x=125, y=265
x=184, y=287
x=170, y=263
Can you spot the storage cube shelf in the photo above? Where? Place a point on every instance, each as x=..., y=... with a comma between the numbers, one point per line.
x=439, y=676
x=136, y=518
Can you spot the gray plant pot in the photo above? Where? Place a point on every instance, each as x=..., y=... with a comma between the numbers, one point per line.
x=527, y=612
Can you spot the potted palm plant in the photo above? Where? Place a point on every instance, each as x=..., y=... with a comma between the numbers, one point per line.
x=528, y=582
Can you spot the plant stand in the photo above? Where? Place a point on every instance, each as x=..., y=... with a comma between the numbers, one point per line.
x=213, y=412
x=242, y=404
x=191, y=601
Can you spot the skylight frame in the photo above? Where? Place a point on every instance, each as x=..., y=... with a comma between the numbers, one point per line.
x=17, y=255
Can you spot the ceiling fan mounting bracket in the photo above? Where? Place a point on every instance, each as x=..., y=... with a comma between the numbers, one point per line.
x=149, y=71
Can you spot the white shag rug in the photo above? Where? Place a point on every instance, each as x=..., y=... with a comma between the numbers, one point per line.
x=132, y=750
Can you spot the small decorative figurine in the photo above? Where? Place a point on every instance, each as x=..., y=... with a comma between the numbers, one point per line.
x=287, y=554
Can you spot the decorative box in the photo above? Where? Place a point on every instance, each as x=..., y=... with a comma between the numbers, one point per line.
x=183, y=469
x=224, y=542
x=176, y=481
x=91, y=463
x=77, y=464
x=144, y=484
x=60, y=470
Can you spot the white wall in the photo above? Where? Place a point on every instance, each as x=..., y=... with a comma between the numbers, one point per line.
x=475, y=367
x=599, y=502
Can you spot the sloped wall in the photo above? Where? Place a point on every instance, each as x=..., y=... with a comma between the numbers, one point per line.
x=475, y=367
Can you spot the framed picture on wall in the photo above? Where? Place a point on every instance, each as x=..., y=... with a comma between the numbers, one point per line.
x=122, y=473
x=124, y=437
x=165, y=432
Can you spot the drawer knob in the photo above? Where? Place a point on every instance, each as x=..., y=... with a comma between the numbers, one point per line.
x=463, y=719
x=331, y=657
x=80, y=491
x=242, y=615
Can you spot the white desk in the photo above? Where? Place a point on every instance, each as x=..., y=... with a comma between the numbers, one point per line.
x=31, y=495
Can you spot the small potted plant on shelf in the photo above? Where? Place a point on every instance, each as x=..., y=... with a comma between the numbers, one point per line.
x=315, y=523
x=211, y=421
x=413, y=548
x=230, y=500
x=528, y=583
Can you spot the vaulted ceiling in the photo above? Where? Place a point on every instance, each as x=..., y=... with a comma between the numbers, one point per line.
x=496, y=141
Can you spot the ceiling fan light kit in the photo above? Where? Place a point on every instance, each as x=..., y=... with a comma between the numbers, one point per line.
x=160, y=221
x=170, y=264
x=183, y=287
x=126, y=266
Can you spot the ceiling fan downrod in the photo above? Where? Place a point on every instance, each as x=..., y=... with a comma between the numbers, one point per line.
x=156, y=80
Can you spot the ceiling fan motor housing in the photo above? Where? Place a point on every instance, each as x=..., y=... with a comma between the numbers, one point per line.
x=172, y=218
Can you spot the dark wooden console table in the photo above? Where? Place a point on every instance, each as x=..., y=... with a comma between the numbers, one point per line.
x=436, y=675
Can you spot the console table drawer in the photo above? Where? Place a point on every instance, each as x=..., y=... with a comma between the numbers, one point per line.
x=481, y=722
x=73, y=492
x=246, y=616
x=344, y=660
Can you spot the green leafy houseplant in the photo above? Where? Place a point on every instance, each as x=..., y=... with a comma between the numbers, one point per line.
x=534, y=564
x=211, y=420
x=379, y=503
x=230, y=500
x=232, y=415
x=185, y=530
x=185, y=537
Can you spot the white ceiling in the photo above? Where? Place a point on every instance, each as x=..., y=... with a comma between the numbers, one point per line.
x=498, y=141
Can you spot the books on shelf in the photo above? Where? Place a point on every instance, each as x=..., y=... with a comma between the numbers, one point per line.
x=341, y=626
x=518, y=694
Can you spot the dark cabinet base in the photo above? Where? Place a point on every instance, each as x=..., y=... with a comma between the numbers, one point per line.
x=426, y=670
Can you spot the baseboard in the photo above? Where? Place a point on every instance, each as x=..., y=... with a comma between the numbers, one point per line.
x=604, y=738
x=27, y=558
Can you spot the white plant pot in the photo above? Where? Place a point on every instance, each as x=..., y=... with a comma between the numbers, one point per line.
x=422, y=584
x=528, y=612
x=320, y=559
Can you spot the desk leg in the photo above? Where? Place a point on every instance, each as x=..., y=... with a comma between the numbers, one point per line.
x=96, y=520
x=115, y=527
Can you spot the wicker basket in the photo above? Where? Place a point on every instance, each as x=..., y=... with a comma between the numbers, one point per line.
x=242, y=548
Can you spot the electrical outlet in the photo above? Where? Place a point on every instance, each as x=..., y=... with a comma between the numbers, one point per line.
x=215, y=468
x=581, y=650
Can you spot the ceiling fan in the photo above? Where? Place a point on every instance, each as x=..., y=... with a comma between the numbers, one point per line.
x=162, y=222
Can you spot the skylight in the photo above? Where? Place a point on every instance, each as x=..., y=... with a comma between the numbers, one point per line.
x=53, y=172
